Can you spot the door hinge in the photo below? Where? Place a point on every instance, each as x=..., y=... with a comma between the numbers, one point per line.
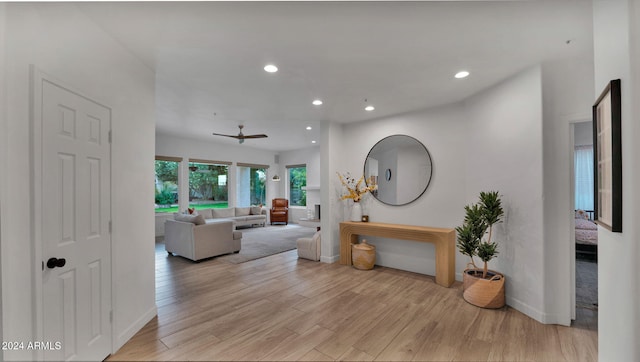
x=109, y=226
x=110, y=316
x=109, y=136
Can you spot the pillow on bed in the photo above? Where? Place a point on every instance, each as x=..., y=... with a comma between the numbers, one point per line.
x=581, y=214
x=585, y=225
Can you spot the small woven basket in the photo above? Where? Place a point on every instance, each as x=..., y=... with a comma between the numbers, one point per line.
x=363, y=255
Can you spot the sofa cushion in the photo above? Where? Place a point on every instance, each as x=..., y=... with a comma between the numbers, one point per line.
x=228, y=212
x=243, y=211
x=206, y=213
x=256, y=210
x=193, y=218
x=218, y=220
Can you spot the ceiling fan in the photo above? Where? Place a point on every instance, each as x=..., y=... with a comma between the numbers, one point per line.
x=241, y=137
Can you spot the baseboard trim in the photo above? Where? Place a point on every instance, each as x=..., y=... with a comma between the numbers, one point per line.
x=136, y=326
x=540, y=316
x=330, y=259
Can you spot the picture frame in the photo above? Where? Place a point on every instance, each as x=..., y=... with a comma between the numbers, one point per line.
x=607, y=151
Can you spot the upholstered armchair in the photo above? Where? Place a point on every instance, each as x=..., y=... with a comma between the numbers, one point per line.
x=309, y=248
x=279, y=211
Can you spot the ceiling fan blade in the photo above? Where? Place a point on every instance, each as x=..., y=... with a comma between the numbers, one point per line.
x=226, y=135
x=241, y=137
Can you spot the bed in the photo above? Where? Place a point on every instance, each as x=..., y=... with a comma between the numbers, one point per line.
x=586, y=234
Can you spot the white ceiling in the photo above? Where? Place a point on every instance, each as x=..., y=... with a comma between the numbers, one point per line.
x=400, y=56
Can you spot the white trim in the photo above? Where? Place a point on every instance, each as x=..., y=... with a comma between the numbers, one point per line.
x=37, y=77
x=136, y=326
x=35, y=156
x=330, y=259
x=572, y=223
x=531, y=312
x=526, y=309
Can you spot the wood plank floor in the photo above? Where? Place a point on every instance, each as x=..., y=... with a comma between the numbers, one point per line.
x=284, y=308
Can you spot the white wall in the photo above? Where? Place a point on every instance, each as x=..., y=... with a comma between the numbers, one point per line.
x=583, y=133
x=311, y=157
x=504, y=153
x=332, y=145
x=3, y=147
x=567, y=93
x=62, y=42
x=243, y=192
x=442, y=131
x=616, y=55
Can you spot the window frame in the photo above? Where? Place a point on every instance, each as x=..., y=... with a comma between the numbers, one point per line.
x=178, y=161
x=208, y=205
x=251, y=167
x=302, y=187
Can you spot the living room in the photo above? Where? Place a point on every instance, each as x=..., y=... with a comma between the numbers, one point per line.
x=520, y=124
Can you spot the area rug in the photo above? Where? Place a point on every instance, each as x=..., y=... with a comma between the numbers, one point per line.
x=258, y=242
x=586, y=284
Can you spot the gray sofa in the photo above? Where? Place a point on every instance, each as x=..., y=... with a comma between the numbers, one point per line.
x=241, y=216
x=194, y=238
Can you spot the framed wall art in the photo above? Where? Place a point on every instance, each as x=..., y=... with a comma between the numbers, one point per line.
x=607, y=151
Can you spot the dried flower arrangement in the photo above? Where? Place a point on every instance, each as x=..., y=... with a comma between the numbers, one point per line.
x=355, y=190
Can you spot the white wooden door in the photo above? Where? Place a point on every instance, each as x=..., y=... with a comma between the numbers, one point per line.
x=76, y=214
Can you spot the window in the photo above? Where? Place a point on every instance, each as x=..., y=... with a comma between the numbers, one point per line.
x=297, y=180
x=167, y=184
x=251, y=184
x=583, y=163
x=208, y=184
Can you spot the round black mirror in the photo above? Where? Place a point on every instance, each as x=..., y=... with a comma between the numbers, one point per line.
x=400, y=167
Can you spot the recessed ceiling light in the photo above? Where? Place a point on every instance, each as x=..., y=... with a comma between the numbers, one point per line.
x=270, y=68
x=308, y=128
x=369, y=108
x=317, y=102
x=313, y=141
x=462, y=74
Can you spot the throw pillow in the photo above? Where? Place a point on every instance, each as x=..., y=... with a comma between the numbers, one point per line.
x=256, y=210
x=194, y=218
x=226, y=212
x=243, y=211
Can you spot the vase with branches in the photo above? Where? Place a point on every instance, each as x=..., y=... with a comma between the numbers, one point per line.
x=354, y=190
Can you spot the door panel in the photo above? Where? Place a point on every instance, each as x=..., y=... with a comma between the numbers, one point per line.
x=75, y=225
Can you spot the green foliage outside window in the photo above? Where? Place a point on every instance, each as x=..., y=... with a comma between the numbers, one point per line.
x=166, y=185
x=258, y=186
x=297, y=180
x=208, y=182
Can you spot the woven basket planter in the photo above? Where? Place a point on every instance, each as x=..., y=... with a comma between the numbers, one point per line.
x=484, y=293
x=363, y=255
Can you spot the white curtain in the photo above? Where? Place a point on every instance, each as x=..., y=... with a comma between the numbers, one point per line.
x=583, y=164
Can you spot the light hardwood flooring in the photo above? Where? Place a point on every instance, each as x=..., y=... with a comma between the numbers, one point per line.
x=285, y=308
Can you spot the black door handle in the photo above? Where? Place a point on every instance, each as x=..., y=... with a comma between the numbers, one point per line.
x=55, y=262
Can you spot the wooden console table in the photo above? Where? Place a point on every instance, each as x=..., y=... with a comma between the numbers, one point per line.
x=444, y=240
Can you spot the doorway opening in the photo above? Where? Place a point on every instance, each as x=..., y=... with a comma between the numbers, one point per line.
x=585, y=229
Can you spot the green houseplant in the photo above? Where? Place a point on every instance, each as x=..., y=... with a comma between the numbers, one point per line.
x=481, y=287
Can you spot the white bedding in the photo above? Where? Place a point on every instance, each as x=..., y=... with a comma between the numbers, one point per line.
x=586, y=232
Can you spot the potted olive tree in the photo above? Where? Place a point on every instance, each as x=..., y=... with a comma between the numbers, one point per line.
x=481, y=287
